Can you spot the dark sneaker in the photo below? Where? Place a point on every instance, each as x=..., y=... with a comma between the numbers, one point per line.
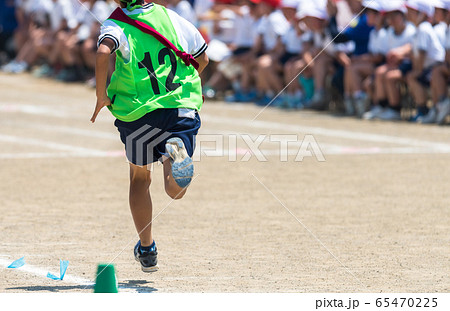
x=148, y=259
x=182, y=166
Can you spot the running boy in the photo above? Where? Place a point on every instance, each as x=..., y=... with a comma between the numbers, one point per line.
x=155, y=94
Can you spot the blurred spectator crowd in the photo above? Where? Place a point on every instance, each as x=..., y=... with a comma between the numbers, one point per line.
x=372, y=59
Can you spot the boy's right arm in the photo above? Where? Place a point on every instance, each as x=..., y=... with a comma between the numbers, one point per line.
x=202, y=61
x=101, y=75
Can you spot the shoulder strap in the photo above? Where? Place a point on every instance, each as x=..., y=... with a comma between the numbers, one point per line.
x=119, y=15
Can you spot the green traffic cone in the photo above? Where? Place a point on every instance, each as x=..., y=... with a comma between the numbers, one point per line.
x=106, y=281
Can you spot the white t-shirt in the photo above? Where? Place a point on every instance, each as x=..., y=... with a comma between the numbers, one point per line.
x=395, y=41
x=377, y=41
x=324, y=41
x=87, y=17
x=40, y=9
x=427, y=40
x=293, y=42
x=202, y=6
x=62, y=10
x=245, y=26
x=271, y=27
x=441, y=31
x=189, y=37
x=447, y=40
x=186, y=11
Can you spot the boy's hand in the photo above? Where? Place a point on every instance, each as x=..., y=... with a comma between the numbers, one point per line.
x=101, y=102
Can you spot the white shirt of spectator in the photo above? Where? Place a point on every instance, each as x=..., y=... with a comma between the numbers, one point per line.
x=377, y=41
x=202, y=6
x=62, y=10
x=293, y=42
x=87, y=16
x=447, y=40
x=324, y=41
x=271, y=27
x=41, y=9
x=186, y=11
x=441, y=31
x=245, y=26
x=189, y=37
x=406, y=37
x=427, y=40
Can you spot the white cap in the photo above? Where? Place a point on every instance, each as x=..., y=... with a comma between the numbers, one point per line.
x=441, y=4
x=394, y=5
x=289, y=3
x=423, y=6
x=312, y=10
x=373, y=4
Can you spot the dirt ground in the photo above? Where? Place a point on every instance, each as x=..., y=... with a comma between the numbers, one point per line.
x=373, y=217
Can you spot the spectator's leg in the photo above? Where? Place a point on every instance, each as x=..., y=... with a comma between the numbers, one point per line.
x=57, y=50
x=358, y=72
x=439, y=78
x=320, y=71
x=392, y=78
x=269, y=68
x=417, y=90
x=261, y=81
x=88, y=53
x=380, y=93
x=289, y=74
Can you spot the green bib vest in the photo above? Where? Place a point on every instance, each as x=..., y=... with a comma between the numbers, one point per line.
x=154, y=77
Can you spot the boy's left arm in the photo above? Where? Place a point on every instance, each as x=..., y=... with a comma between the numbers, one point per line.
x=101, y=75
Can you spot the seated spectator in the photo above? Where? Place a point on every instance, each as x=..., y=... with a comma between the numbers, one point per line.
x=440, y=19
x=237, y=68
x=362, y=66
x=427, y=52
x=400, y=35
x=269, y=45
x=323, y=51
x=440, y=79
x=8, y=24
x=292, y=60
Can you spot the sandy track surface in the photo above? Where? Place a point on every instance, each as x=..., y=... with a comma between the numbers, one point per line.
x=373, y=217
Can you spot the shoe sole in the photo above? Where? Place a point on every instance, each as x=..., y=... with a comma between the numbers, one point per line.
x=147, y=269
x=182, y=165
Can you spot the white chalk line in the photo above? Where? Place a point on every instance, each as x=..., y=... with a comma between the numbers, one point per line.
x=68, y=278
x=415, y=146
x=290, y=128
x=42, y=272
x=352, y=135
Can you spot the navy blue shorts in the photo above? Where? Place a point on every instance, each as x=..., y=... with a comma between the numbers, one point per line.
x=145, y=138
x=405, y=66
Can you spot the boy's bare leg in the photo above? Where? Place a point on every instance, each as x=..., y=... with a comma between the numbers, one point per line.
x=439, y=79
x=172, y=189
x=141, y=202
x=380, y=82
x=418, y=92
x=393, y=77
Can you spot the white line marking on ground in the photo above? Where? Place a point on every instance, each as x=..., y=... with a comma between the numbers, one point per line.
x=353, y=135
x=27, y=268
x=103, y=154
x=47, y=144
x=68, y=278
x=51, y=112
x=65, y=129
